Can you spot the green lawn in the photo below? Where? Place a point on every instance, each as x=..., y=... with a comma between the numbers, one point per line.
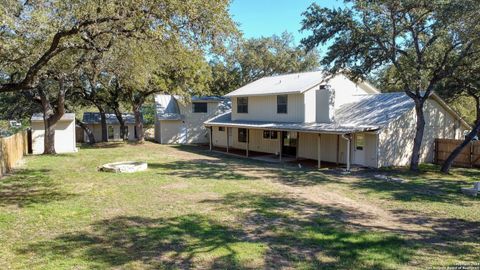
x=196, y=209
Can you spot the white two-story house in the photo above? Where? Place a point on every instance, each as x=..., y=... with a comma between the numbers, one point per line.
x=333, y=121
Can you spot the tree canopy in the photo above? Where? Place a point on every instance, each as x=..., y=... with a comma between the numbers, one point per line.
x=251, y=59
x=425, y=42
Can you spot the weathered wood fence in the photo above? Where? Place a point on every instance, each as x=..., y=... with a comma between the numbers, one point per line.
x=12, y=149
x=469, y=157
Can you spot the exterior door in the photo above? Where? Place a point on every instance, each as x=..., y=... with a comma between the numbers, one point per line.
x=359, y=149
x=183, y=134
x=289, y=143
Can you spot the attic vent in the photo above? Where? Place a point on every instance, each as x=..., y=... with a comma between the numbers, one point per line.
x=323, y=87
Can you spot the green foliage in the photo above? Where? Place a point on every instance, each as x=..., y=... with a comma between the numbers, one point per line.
x=426, y=41
x=148, y=112
x=251, y=59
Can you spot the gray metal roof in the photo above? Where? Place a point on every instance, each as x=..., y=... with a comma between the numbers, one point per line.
x=94, y=118
x=66, y=117
x=368, y=113
x=226, y=120
x=167, y=108
x=281, y=84
x=374, y=110
x=207, y=99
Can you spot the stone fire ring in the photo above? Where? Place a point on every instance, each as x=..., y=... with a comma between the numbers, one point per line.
x=124, y=167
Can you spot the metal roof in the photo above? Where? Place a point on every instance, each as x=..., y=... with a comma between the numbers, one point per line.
x=94, y=118
x=281, y=84
x=374, y=110
x=367, y=113
x=66, y=117
x=167, y=107
x=226, y=120
x=207, y=99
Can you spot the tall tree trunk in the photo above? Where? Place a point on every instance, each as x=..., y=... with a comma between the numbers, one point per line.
x=474, y=132
x=121, y=121
x=138, y=122
x=51, y=118
x=417, y=142
x=49, y=136
x=103, y=123
x=88, y=131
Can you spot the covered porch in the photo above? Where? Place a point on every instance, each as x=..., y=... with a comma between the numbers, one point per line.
x=308, y=149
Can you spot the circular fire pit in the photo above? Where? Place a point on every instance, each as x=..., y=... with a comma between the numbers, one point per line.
x=124, y=167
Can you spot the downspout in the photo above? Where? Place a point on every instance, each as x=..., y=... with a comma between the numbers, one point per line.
x=348, y=139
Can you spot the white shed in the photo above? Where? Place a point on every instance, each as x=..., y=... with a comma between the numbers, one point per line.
x=64, y=134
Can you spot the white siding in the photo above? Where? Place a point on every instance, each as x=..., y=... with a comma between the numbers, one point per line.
x=171, y=132
x=396, y=140
x=310, y=102
x=219, y=138
x=345, y=90
x=264, y=108
x=259, y=144
x=307, y=147
x=189, y=130
x=64, y=137
x=371, y=150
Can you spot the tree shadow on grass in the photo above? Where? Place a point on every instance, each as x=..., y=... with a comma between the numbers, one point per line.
x=417, y=187
x=285, y=173
x=26, y=187
x=200, y=168
x=271, y=231
x=171, y=243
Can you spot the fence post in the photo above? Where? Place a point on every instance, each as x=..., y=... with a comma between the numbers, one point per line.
x=471, y=154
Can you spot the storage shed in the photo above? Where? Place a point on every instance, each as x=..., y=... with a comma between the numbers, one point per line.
x=64, y=134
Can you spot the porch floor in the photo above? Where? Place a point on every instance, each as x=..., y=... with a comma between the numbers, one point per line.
x=272, y=158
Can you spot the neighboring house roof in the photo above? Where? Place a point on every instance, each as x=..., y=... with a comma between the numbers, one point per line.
x=281, y=84
x=95, y=118
x=167, y=107
x=367, y=113
x=38, y=117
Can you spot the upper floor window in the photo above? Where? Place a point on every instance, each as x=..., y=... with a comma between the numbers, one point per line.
x=282, y=101
x=242, y=105
x=200, y=107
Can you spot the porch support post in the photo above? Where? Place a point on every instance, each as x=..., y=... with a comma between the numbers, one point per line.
x=338, y=149
x=210, y=133
x=280, y=139
x=228, y=140
x=348, y=151
x=319, y=150
x=298, y=144
x=248, y=139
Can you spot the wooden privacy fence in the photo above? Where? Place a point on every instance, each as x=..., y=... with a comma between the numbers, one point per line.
x=12, y=149
x=469, y=157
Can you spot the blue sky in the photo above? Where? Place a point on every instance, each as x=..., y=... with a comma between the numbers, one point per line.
x=268, y=17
